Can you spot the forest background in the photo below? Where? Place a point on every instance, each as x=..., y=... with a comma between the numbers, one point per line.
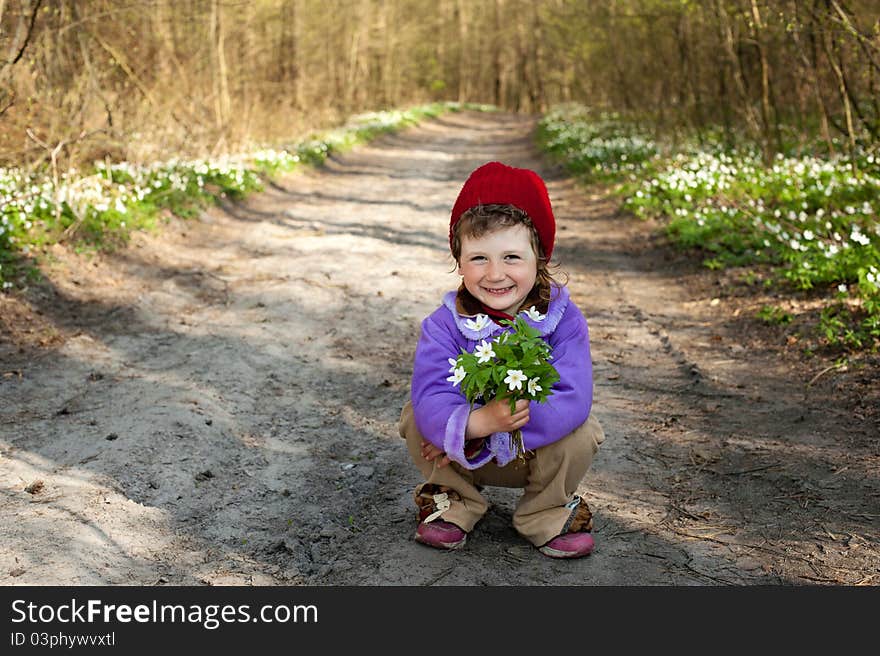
x=137, y=78
x=146, y=81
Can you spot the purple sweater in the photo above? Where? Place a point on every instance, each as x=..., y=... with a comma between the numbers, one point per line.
x=441, y=410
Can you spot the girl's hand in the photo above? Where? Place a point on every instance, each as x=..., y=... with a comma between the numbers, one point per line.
x=431, y=452
x=495, y=417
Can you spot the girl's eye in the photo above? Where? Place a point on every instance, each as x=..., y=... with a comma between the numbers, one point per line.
x=513, y=257
x=477, y=258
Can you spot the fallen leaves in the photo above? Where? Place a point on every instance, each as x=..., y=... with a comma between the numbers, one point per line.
x=35, y=487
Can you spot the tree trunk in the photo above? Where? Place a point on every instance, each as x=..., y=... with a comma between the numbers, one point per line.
x=831, y=53
x=221, y=78
x=496, y=56
x=288, y=58
x=463, y=51
x=539, y=95
x=727, y=40
x=810, y=68
x=771, y=134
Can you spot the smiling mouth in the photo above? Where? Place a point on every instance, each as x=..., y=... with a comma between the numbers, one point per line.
x=501, y=291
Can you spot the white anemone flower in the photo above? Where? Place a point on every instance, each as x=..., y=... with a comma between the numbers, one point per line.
x=534, y=387
x=484, y=352
x=857, y=236
x=453, y=364
x=533, y=314
x=478, y=322
x=515, y=379
x=457, y=376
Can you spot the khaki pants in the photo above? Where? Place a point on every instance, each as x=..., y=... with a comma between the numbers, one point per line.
x=550, y=479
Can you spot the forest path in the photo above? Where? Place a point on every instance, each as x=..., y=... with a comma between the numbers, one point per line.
x=219, y=402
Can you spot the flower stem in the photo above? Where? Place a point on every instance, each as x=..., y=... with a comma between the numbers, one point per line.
x=517, y=446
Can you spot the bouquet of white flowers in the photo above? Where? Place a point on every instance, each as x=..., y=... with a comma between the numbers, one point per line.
x=513, y=366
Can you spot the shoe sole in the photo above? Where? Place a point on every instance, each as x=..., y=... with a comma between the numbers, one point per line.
x=449, y=546
x=556, y=553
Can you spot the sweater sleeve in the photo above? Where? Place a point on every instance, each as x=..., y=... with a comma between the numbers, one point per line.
x=441, y=410
x=572, y=399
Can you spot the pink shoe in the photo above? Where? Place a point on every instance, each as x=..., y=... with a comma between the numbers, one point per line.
x=440, y=534
x=569, y=545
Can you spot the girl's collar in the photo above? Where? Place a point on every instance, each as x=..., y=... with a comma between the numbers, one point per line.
x=480, y=326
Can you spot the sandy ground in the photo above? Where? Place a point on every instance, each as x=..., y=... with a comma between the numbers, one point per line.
x=217, y=403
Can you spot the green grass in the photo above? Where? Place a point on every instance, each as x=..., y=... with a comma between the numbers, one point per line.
x=774, y=316
x=813, y=220
x=597, y=147
x=100, y=208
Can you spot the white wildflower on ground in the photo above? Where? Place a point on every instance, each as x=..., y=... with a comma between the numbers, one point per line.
x=857, y=236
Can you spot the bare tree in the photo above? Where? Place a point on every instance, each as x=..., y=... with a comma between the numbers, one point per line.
x=144, y=77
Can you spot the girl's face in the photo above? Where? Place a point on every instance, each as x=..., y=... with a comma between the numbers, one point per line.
x=499, y=268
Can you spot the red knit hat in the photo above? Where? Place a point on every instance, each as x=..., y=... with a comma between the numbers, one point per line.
x=497, y=183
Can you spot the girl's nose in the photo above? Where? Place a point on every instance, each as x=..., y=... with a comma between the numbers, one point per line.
x=496, y=272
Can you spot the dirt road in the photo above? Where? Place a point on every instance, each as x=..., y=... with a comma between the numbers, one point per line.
x=217, y=404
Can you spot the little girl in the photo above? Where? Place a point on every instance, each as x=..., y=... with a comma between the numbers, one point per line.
x=501, y=235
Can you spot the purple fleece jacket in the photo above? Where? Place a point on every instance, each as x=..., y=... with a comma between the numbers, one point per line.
x=441, y=410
